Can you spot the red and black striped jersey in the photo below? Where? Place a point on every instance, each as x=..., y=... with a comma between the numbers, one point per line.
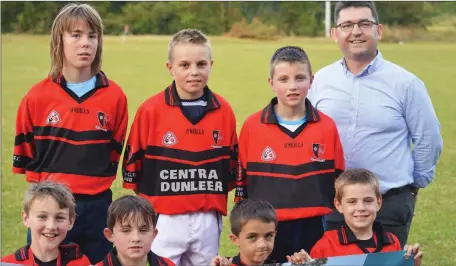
x=69, y=255
x=294, y=171
x=69, y=139
x=152, y=260
x=343, y=242
x=178, y=163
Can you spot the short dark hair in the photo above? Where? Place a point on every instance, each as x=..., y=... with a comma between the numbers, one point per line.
x=346, y=4
x=131, y=208
x=251, y=209
x=356, y=176
x=290, y=54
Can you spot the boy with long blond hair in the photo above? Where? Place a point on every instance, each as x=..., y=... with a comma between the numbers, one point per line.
x=71, y=125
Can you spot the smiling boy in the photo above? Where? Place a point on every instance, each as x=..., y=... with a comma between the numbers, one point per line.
x=181, y=154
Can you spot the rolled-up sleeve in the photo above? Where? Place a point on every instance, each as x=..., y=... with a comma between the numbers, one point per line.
x=424, y=131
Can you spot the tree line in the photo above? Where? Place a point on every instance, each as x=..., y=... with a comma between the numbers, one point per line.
x=213, y=18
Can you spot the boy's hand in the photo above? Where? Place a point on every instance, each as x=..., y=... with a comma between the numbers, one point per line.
x=220, y=261
x=416, y=252
x=300, y=257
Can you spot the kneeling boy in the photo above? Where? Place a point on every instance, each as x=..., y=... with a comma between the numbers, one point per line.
x=253, y=229
x=358, y=198
x=49, y=212
x=131, y=228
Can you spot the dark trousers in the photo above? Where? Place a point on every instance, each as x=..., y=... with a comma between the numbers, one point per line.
x=294, y=235
x=87, y=231
x=395, y=214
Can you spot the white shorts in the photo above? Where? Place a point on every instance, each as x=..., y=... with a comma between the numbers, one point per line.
x=188, y=239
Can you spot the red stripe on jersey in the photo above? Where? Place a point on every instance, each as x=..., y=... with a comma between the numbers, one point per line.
x=187, y=162
x=290, y=176
x=73, y=142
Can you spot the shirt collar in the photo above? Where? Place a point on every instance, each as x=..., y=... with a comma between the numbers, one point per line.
x=369, y=69
x=172, y=98
x=346, y=235
x=100, y=80
x=268, y=115
x=238, y=262
x=67, y=252
x=112, y=260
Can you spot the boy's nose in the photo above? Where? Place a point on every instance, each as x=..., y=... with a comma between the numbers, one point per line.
x=51, y=224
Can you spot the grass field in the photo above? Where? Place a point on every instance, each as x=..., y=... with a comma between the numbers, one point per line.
x=240, y=75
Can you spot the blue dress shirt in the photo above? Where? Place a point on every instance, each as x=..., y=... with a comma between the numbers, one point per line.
x=385, y=118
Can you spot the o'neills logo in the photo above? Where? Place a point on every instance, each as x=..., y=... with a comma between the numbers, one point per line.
x=180, y=180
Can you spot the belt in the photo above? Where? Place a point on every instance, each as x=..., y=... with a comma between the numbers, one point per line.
x=399, y=190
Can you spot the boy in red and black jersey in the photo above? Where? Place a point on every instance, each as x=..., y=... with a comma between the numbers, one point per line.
x=71, y=125
x=253, y=229
x=131, y=228
x=290, y=155
x=358, y=198
x=181, y=155
x=49, y=212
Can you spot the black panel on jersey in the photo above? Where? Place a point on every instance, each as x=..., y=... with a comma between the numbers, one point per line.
x=62, y=157
x=293, y=193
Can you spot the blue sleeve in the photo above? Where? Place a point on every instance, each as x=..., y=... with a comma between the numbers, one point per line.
x=424, y=131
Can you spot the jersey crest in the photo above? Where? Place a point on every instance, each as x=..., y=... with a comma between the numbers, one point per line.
x=103, y=120
x=268, y=154
x=169, y=139
x=217, y=138
x=53, y=118
x=317, y=152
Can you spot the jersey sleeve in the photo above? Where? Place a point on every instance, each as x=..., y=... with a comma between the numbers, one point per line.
x=24, y=145
x=135, y=149
x=339, y=160
x=241, y=179
x=234, y=154
x=119, y=131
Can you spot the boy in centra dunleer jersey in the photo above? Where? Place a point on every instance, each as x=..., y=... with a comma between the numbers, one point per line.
x=181, y=155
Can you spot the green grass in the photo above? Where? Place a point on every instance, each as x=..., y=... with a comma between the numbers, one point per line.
x=239, y=74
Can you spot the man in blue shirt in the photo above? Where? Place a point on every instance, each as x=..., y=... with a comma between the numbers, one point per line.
x=381, y=111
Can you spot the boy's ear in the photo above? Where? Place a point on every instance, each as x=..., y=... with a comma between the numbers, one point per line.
x=338, y=205
x=212, y=63
x=379, y=202
x=234, y=239
x=270, y=81
x=71, y=223
x=155, y=232
x=108, y=234
x=169, y=66
x=311, y=79
x=25, y=219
